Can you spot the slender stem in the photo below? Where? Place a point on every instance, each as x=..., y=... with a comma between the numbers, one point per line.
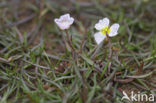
x=83, y=41
x=70, y=44
x=64, y=41
x=110, y=46
x=70, y=40
x=110, y=52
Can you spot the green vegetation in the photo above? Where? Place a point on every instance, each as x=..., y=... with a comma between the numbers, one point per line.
x=36, y=66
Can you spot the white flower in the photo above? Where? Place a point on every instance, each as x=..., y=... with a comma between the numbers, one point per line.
x=103, y=27
x=64, y=21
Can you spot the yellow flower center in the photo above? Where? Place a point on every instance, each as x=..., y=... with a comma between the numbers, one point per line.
x=105, y=30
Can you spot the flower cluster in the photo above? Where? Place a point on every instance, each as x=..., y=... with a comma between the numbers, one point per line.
x=65, y=21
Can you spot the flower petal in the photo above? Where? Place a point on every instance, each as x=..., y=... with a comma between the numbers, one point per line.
x=56, y=20
x=65, y=16
x=63, y=26
x=71, y=20
x=64, y=21
x=102, y=23
x=114, y=30
x=99, y=37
